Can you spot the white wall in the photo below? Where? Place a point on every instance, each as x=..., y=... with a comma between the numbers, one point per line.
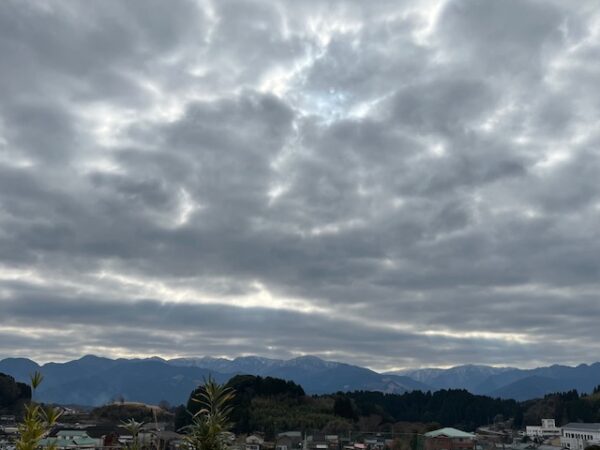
x=575, y=439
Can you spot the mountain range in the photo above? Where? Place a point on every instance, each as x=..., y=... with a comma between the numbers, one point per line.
x=510, y=382
x=94, y=380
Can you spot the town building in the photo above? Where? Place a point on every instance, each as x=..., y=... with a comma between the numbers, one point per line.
x=578, y=436
x=289, y=440
x=547, y=430
x=109, y=434
x=375, y=443
x=320, y=441
x=254, y=442
x=449, y=439
x=71, y=439
x=168, y=440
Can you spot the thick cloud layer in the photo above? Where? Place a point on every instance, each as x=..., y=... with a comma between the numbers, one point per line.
x=384, y=184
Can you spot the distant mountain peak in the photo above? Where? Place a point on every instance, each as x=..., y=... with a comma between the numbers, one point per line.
x=66, y=382
x=94, y=358
x=260, y=359
x=306, y=359
x=93, y=380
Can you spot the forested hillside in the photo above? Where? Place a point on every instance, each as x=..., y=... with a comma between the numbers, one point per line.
x=449, y=407
x=12, y=394
x=565, y=407
x=271, y=405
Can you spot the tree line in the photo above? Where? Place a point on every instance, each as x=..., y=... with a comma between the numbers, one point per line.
x=272, y=405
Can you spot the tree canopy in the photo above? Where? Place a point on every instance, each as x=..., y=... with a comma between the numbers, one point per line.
x=13, y=394
x=272, y=405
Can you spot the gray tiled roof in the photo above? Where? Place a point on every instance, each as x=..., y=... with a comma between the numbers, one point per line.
x=583, y=426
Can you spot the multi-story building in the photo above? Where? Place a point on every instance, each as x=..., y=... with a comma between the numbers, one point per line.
x=577, y=436
x=546, y=431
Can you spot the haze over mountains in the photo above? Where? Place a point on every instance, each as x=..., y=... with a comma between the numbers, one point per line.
x=510, y=382
x=93, y=380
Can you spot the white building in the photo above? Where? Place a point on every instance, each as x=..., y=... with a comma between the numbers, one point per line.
x=577, y=436
x=547, y=430
x=254, y=442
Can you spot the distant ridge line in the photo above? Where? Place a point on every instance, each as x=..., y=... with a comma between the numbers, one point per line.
x=95, y=380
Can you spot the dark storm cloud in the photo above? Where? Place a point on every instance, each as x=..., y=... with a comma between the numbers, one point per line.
x=391, y=185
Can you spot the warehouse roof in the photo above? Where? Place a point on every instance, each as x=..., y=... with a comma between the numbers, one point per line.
x=450, y=432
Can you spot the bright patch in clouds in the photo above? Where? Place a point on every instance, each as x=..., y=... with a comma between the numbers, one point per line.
x=382, y=183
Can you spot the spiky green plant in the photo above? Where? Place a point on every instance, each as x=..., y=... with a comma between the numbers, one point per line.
x=36, y=379
x=133, y=427
x=207, y=431
x=37, y=421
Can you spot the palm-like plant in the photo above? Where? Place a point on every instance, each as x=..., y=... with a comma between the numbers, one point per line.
x=38, y=420
x=36, y=379
x=133, y=427
x=32, y=429
x=209, y=424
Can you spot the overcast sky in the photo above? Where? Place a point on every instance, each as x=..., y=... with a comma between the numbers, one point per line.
x=392, y=184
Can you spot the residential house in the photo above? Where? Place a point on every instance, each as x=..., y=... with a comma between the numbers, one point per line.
x=71, y=439
x=167, y=440
x=320, y=441
x=254, y=442
x=109, y=434
x=375, y=443
x=289, y=440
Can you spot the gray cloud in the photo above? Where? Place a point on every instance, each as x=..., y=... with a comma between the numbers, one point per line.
x=391, y=185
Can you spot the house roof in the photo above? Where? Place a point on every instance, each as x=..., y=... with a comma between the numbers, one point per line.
x=81, y=433
x=254, y=439
x=98, y=431
x=450, y=432
x=58, y=442
x=583, y=426
x=291, y=434
x=85, y=441
x=168, y=435
x=288, y=440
